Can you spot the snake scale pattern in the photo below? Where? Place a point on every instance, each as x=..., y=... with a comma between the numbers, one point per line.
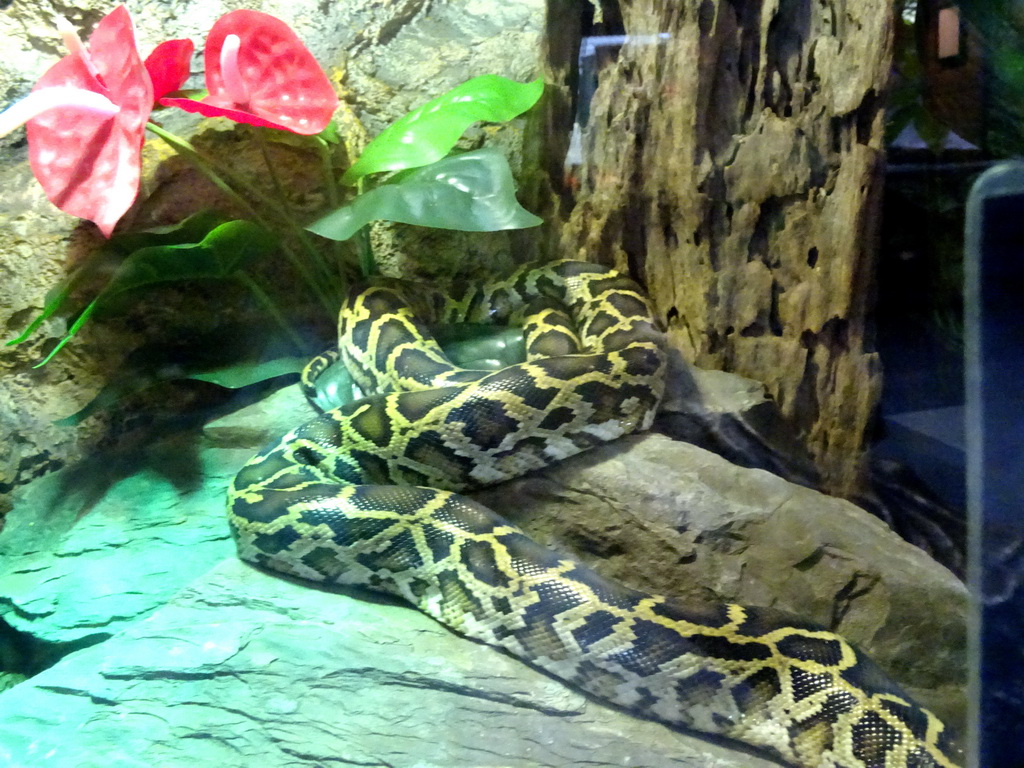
x=353, y=498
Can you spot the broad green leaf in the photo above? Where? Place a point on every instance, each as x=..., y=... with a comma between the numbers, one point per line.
x=189, y=230
x=220, y=254
x=107, y=259
x=128, y=382
x=243, y=374
x=231, y=357
x=472, y=192
x=428, y=133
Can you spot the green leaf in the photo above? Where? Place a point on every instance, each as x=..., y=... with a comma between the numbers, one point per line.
x=428, y=133
x=220, y=254
x=54, y=300
x=233, y=356
x=79, y=322
x=131, y=380
x=899, y=118
x=328, y=135
x=472, y=192
x=189, y=230
x=243, y=374
x=331, y=134
x=108, y=258
x=931, y=131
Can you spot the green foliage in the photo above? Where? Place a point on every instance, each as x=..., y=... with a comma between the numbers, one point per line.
x=248, y=372
x=1000, y=25
x=906, y=101
x=106, y=260
x=201, y=247
x=189, y=230
x=429, y=132
x=223, y=251
x=197, y=357
x=472, y=192
x=328, y=135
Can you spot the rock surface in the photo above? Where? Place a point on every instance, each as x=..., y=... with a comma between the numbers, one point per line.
x=172, y=653
x=243, y=669
x=92, y=548
x=735, y=418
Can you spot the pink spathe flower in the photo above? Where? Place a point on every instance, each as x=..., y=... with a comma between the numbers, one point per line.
x=259, y=72
x=88, y=161
x=168, y=66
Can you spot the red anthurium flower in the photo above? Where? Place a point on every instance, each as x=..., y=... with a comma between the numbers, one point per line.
x=89, y=160
x=168, y=66
x=259, y=72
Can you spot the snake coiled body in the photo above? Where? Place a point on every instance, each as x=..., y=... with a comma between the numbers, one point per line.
x=369, y=494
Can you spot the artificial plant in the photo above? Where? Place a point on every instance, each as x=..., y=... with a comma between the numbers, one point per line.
x=88, y=116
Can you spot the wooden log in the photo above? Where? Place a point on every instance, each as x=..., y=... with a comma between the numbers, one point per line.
x=732, y=161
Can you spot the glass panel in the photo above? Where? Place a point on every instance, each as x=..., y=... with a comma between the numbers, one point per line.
x=995, y=409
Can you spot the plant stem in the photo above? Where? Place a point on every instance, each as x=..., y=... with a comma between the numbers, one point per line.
x=217, y=175
x=367, y=263
x=268, y=304
x=330, y=183
x=287, y=215
x=190, y=153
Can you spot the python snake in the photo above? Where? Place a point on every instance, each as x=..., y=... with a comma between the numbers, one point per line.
x=352, y=498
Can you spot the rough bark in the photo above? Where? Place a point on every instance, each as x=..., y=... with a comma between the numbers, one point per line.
x=732, y=161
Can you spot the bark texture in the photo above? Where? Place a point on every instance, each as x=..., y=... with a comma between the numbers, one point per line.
x=732, y=162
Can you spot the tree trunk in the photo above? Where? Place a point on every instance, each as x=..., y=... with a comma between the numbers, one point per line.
x=732, y=161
